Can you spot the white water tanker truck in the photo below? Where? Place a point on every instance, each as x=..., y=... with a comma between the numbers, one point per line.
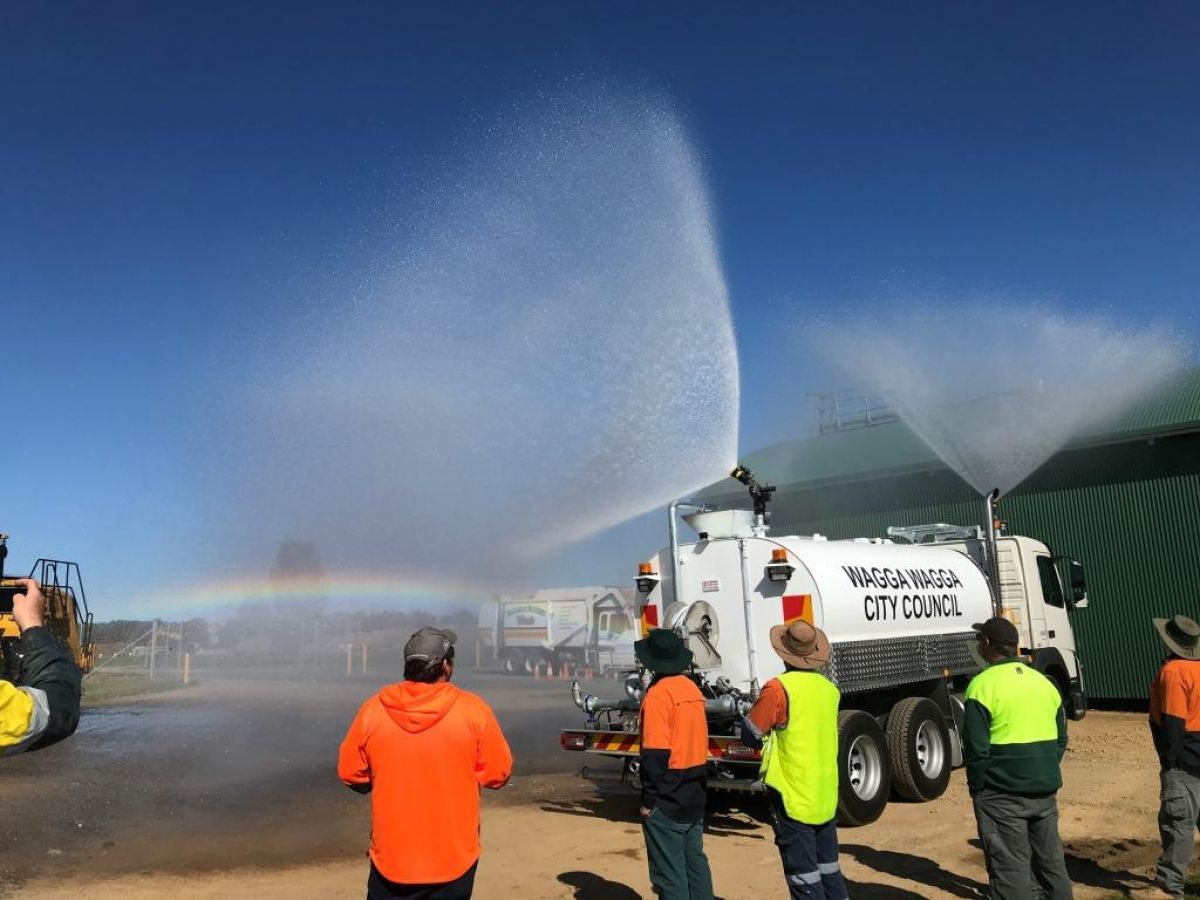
x=898, y=612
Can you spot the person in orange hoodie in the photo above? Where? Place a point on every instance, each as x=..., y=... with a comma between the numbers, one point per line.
x=423, y=748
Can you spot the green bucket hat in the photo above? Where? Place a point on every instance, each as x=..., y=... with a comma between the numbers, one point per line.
x=1181, y=635
x=663, y=652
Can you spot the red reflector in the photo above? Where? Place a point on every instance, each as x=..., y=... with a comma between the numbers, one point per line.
x=797, y=606
x=573, y=741
x=737, y=750
x=650, y=611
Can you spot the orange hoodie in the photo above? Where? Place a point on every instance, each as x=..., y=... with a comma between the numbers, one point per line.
x=424, y=751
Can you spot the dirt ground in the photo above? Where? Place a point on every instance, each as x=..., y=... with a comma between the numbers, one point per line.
x=555, y=837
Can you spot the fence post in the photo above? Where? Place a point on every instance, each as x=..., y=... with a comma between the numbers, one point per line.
x=153, y=646
x=349, y=660
x=187, y=667
x=364, y=659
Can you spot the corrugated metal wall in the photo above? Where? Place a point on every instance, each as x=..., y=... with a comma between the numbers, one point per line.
x=1130, y=512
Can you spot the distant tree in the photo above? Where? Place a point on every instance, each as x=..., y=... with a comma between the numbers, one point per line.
x=119, y=631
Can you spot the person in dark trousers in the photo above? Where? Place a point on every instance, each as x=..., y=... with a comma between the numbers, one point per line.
x=674, y=759
x=1015, y=735
x=423, y=749
x=42, y=707
x=795, y=722
x=1175, y=727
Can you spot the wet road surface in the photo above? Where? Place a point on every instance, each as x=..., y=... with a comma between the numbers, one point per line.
x=237, y=770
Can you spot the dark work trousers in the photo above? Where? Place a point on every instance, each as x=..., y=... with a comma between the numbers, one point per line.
x=1021, y=847
x=379, y=888
x=675, y=853
x=1178, y=817
x=809, y=853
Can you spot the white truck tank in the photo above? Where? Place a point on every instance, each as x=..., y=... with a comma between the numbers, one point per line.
x=893, y=613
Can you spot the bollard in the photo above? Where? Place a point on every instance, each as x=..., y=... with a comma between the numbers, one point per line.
x=537, y=671
x=563, y=674
x=187, y=667
x=349, y=660
x=364, y=659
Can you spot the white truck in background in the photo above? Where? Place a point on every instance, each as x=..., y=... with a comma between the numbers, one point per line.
x=898, y=613
x=585, y=627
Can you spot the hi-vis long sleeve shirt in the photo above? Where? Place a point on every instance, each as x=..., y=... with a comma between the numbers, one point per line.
x=44, y=707
x=1175, y=715
x=423, y=751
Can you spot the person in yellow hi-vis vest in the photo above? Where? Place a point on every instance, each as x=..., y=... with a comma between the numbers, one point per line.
x=1014, y=737
x=795, y=722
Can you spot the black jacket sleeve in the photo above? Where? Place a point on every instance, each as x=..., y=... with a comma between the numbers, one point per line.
x=47, y=666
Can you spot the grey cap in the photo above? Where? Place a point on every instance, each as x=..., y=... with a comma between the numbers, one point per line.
x=429, y=645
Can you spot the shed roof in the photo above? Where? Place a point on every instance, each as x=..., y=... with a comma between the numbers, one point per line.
x=894, y=449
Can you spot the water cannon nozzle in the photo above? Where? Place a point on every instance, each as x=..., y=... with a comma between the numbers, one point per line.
x=744, y=475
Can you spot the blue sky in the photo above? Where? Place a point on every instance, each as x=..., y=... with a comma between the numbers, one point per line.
x=176, y=177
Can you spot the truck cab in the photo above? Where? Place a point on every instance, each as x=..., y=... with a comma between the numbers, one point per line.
x=1028, y=583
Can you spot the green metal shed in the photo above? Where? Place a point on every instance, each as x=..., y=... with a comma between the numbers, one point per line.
x=1124, y=499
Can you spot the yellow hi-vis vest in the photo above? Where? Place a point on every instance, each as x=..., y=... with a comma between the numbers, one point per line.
x=800, y=760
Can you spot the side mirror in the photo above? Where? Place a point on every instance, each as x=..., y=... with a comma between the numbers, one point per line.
x=1079, y=597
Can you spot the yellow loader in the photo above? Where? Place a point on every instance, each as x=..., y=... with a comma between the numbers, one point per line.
x=67, y=614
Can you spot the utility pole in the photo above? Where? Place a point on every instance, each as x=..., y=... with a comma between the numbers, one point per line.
x=153, y=646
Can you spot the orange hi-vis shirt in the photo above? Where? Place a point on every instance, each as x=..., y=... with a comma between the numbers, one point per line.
x=424, y=751
x=674, y=754
x=1175, y=715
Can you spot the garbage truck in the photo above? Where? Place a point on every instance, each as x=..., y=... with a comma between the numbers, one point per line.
x=582, y=627
x=898, y=611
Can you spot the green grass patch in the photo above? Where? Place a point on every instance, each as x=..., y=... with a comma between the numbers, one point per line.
x=106, y=686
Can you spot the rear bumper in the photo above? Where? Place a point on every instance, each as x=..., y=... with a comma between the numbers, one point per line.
x=722, y=749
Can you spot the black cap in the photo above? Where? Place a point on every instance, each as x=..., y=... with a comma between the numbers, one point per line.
x=999, y=632
x=429, y=645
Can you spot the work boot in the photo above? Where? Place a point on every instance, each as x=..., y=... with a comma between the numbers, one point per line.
x=1153, y=893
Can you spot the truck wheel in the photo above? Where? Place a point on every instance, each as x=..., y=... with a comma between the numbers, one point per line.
x=918, y=743
x=864, y=777
x=527, y=664
x=510, y=664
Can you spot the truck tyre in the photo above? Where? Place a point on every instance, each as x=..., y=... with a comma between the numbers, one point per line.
x=864, y=776
x=510, y=664
x=918, y=743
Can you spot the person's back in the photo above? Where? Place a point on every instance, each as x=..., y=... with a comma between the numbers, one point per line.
x=1175, y=714
x=1014, y=738
x=673, y=771
x=423, y=749
x=1022, y=712
x=1175, y=729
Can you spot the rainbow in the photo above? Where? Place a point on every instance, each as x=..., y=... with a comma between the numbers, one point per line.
x=391, y=589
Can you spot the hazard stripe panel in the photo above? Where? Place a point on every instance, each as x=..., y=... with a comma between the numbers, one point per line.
x=720, y=749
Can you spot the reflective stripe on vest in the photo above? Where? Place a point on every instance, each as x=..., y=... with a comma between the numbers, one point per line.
x=800, y=760
x=1021, y=701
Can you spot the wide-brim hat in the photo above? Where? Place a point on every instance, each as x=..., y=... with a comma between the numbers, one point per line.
x=663, y=651
x=801, y=645
x=1181, y=635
